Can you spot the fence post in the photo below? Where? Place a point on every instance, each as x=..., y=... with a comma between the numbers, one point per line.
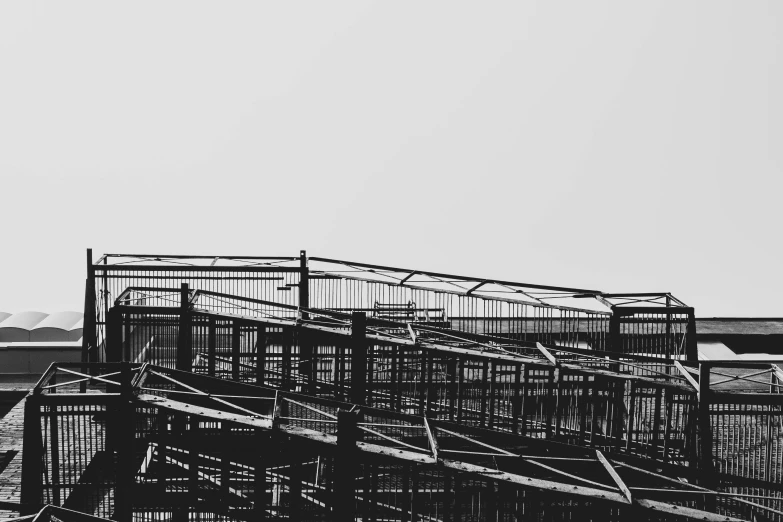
x=304, y=281
x=705, y=431
x=261, y=355
x=346, y=466
x=211, y=346
x=358, y=357
x=615, y=344
x=126, y=473
x=307, y=363
x=32, y=485
x=184, y=348
x=691, y=348
x=236, y=344
x=113, y=341
x=89, y=337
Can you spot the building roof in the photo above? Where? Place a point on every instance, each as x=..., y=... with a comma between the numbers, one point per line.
x=38, y=326
x=24, y=320
x=60, y=320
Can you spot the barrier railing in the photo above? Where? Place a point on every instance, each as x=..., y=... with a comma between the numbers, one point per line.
x=182, y=445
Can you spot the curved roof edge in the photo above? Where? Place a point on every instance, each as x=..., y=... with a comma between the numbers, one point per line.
x=24, y=320
x=60, y=320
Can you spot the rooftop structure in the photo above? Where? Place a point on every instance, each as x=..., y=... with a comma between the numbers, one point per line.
x=235, y=388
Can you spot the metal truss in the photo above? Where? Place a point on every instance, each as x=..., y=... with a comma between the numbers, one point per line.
x=189, y=432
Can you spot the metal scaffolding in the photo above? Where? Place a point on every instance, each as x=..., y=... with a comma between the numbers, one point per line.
x=217, y=388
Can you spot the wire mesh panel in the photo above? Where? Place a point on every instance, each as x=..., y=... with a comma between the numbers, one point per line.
x=154, y=282
x=659, y=333
x=483, y=315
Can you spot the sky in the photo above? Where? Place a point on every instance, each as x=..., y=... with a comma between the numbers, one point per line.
x=619, y=146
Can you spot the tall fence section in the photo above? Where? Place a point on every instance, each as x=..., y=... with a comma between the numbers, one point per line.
x=316, y=389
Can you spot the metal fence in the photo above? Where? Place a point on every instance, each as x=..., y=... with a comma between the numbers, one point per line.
x=182, y=447
x=656, y=324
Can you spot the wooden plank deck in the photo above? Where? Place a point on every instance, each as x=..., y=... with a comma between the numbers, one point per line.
x=11, y=429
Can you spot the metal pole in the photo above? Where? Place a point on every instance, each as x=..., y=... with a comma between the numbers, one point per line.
x=346, y=466
x=184, y=356
x=358, y=357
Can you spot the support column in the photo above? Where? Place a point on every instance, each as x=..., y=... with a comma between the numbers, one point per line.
x=32, y=485
x=236, y=345
x=211, y=346
x=184, y=347
x=113, y=341
x=126, y=437
x=89, y=339
x=705, y=431
x=691, y=349
x=615, y=344
x=261, y=355
x=346, y=467
x=307, y=362
x=358, y=357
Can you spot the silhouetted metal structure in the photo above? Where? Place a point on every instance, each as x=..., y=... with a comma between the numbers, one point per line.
x=652, y=323
x=288, y=388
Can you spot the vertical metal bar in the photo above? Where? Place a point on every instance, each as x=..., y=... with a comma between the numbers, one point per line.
x=668, y=402
x=451, y=371
x=516, y=405
x=584, y=399
x=395, y=384
x=225, y=460
x=236, y=341
x=184, y=348
x=126, y=436
x=211, y=346
x=430, y=388
x=656, y=421
x=163, y=430
x=423, y=382
x=460, y=386
x=484, y=390
x=550, y=385
x=113, y=335
x=631, y=413
x=261, y=355
x=559, y=402
x=127, y=353
x=105, y=295
x=523, y=403
x=259, y=486
x=89, y=338
x=346, y=467
x=295, y=490
x=193, y=464
x=406, y=492
x=691, y=348
x=358, y=357
x=304, y=284
x=32, y=483
x=705, y=432
x=54, y=442
x=615, y=344
x=287, y=335
x=594, y=411
x=415, y=494
x=492, y=375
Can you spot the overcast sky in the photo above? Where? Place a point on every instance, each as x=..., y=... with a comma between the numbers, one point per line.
x=622, y=146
